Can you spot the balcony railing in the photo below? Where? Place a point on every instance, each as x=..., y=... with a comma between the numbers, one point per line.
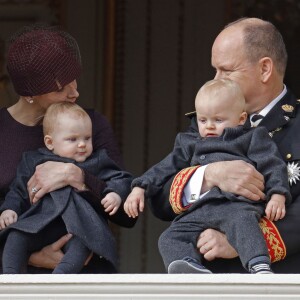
x=150, y=286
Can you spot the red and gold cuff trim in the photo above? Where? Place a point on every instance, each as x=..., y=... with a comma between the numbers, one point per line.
x=274, y=241
x=177, y=188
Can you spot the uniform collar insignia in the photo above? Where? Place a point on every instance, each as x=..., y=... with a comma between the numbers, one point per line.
x=288, y=108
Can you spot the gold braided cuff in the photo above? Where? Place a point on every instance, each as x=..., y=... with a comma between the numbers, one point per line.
x=177, y=188
x=276, y=246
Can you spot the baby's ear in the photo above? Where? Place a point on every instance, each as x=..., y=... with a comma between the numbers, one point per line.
x=243, y=118
x=48, y=142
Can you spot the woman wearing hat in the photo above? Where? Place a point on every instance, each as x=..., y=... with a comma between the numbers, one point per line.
x=44, y=64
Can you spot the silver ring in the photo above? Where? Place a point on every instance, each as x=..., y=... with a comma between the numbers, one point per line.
x=34, y=190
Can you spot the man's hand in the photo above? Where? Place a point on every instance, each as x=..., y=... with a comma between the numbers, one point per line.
x=51, y=176
x=50, y=256
x=111, y=202
x=237, y=177
x=135, y=202
x=214, y=244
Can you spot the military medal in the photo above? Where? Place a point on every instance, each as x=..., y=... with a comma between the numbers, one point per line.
x=293, y=172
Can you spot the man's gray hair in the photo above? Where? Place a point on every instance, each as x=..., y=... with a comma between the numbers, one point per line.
x=262, y=39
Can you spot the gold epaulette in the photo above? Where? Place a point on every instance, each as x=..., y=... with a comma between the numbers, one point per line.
x=190, y=114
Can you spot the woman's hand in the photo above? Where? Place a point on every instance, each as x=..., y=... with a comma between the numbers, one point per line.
x=50, y=256
x=51, y=176
x=237, y=177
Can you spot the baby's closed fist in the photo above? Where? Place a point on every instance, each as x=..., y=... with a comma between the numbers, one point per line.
x=8, y=217
x=111, y=202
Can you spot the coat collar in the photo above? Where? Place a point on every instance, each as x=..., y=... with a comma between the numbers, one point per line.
x=281, y=113
x=51, y=156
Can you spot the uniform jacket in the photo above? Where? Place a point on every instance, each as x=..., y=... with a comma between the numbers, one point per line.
x=252, y=145
x=77, y=213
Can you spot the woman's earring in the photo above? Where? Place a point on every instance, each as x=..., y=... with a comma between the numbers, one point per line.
x=29, y=100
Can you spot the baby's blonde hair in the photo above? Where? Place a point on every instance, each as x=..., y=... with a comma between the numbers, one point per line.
x=56, y=110
x=217, y=87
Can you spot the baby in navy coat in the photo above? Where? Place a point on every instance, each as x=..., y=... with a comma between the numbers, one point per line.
x=68, y=138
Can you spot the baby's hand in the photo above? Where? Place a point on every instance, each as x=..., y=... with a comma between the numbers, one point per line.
x=275, y=209
x=111, y=202
x=8, y=217
x=135, y=202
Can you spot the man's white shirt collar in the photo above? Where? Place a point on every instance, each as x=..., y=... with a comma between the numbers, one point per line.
x=266, y=110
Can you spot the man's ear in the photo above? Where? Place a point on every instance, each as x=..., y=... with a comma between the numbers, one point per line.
x=266, y=68
x=243, y=118
x=48, y=142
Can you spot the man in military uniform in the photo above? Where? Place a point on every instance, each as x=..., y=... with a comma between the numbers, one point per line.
x=251, y=52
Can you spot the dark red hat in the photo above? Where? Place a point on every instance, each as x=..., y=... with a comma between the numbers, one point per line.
x=42, y=59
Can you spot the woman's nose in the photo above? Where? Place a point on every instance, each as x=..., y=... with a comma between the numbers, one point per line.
x=73, y=94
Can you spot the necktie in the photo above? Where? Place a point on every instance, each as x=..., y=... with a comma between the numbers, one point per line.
x=256, y=119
